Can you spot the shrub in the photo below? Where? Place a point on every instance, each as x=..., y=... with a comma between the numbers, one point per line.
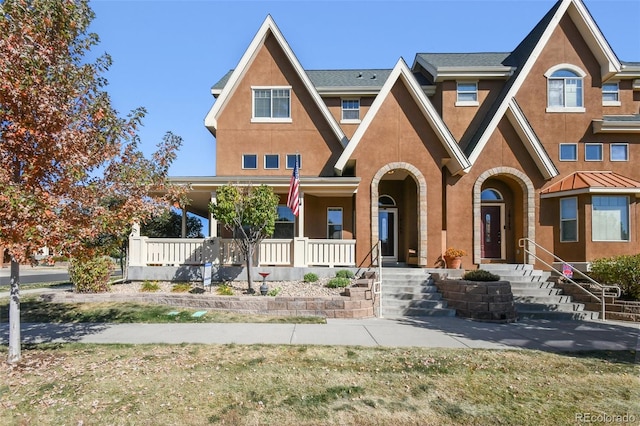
x=338, y=282
x=480, y=275
x=345, y=273
x=623, y=271
x=310, y=277
x=149, y=286
x=224, y=290
x=274, y=292
x=90, y=275
x=181, y=288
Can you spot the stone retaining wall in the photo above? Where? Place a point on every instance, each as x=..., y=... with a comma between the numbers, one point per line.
x=358, y=302
x=490, y=301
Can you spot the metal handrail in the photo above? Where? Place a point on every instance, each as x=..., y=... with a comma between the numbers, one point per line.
x=377, y=284
x=603, y=288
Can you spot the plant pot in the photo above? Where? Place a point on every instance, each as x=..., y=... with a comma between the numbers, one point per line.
x=453, y=262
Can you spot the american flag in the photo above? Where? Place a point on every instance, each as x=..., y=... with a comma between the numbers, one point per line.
x=293, y=202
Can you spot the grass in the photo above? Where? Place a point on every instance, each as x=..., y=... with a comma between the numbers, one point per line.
x=35, y=310
x=312, y=385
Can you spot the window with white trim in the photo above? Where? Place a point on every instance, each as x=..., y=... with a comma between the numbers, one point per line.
x=467, y=93
x=619, y=151
x=568, y=152
x=334, y=223
x=271, y=161
x=609, y=218
x=291, y=161
x=568, y=219
x=249, y=161
x=272, y=104
x=565, y=89
x=592, y=152
x=611, y=94
x=351, y=110
x=284, y=226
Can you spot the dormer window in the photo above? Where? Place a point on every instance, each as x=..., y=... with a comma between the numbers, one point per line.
x=610, y=94
x=351, y=110
x=564, y=89
x=467, y=93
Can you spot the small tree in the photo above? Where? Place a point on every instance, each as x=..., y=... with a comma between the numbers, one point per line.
x=249, y=213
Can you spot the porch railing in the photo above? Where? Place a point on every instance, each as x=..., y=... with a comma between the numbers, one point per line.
x=144, y=251
x=611, y=291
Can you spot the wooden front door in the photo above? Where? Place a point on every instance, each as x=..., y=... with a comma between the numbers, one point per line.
x=492, y=229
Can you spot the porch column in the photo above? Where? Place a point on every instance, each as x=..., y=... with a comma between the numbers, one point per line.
x=213, y=223
x=183, y=231
x=300, y=232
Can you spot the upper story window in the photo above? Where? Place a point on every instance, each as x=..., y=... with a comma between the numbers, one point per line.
x=565, y=89
x=568, y=152
x=351, y=110
x=611, y=94
x=249, y=161
x=467, y=93
x=271, y=161
x=593, y=152
x=291, y=160
x=271, y=104
x=619, y=152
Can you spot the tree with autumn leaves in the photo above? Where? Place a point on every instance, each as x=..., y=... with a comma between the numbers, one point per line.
x=72, y=172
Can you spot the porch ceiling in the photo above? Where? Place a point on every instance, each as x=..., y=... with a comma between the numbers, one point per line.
x=203, y=186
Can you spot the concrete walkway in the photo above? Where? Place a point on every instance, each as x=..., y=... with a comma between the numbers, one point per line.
x=407, y=332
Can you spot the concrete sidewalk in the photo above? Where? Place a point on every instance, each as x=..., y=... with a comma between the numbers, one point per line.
x=406, y=332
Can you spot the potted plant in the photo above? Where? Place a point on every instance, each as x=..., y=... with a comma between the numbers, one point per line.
x=453, y=257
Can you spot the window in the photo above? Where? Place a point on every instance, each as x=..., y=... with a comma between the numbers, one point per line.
x=490, y=195
x=249, y=161
x=568, y=219
x=467, y=94
x=334, y=223
x=610, y=94
x=271, y=161
x=351, y=110
x=593, y=152
x=610, y=218
x=284, y=226
x=568, y=152
x=271, y=104
x=564, y=89
x=619, y=151
x=291, y=161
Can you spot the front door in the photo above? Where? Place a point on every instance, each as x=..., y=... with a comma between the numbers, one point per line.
x=492, y=228
x=388, y=233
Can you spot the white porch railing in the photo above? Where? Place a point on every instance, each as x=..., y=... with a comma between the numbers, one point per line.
x=144, y=251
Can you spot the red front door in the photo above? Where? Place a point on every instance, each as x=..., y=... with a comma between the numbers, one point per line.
x=491, y=232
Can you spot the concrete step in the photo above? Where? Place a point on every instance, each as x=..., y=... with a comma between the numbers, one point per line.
x=433, y=295
x=531, y=285
x=393, y=312
x=558, y=315
x=422, y=304
x=525, y=291
x=548, y=299
x=506, y=266
x=549, y=307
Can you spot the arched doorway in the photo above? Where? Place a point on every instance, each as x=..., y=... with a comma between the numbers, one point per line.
x=503, y=212
x=399, y=213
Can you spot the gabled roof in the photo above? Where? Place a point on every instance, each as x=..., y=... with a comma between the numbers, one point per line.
x=531, y=141
x=457, y=163
x=444, y=66
x=595, y=182
x=269, y=27
x=526, y=54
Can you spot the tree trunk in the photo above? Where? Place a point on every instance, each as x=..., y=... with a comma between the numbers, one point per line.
x=249, y=264
x=14, y=314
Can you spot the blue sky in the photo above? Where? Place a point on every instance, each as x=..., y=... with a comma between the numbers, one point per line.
x=167, y=54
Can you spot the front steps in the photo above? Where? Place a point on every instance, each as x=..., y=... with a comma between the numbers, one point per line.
x=535, y=297
x=411, y=292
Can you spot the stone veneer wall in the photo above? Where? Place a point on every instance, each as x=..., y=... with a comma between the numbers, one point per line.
x=358, y=302
x=490, y=301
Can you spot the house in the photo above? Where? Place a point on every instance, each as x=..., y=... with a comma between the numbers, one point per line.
x=472, y=150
